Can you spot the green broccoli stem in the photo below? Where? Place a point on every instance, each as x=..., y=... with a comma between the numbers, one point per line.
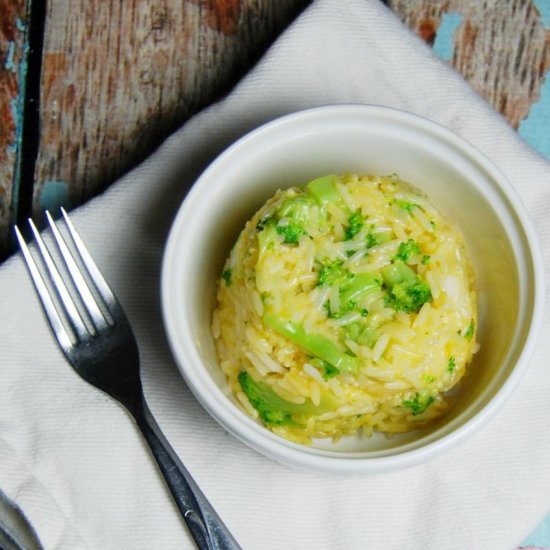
x=361, y=286
x=315, y=344
x=398, y=272
x=297, y=208
x=324, y=191
x=419, y=403
x=276, y=411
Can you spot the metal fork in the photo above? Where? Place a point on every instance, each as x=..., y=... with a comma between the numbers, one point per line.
x=103, y=351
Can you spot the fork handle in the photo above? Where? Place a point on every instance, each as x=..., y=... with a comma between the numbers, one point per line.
x=206, y=527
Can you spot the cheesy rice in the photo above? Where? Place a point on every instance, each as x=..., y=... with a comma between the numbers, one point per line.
x=345, y=305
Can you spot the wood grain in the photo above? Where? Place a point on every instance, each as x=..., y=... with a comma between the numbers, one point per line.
x=501, y=47
x=12, y=45
x=117, y=78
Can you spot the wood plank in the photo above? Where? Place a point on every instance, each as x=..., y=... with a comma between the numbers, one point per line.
x=501, y=48
x=117, y=78
x=12, y=72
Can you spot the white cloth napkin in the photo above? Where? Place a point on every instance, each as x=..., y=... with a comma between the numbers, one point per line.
x=74, y=463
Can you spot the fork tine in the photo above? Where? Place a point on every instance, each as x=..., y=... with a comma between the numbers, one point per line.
x=68, y=303
x=96, y=276
x=80, y=283
x=45, y=298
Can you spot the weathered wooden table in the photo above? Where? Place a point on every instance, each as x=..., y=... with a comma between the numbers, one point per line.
x=89, y=88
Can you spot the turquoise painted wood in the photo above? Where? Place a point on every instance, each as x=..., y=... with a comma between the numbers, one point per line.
x=534, y=129
x=13, y=71
x=443, y=45
x=540, y=537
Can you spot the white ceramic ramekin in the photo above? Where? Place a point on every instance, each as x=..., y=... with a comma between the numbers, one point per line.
x=294, y=149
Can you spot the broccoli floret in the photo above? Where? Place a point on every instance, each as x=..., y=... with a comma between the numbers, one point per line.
x=406, y=290
x=371, y=240
x=405, y=205
x=291, y=232
x=276, y=411
x=272, y=409
x=289, y=219
x=407, y=249
x=226, y=276
x=327, y=370
x=333, y=273
x=345, y=308
x=360, y=332
x=451, y=365
x=469, y=331
x=419, y=403
x=409, y=297
x=355, y=223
